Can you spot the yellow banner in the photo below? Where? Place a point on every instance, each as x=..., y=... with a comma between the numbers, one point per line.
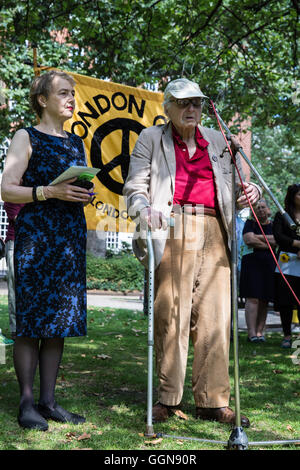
x=109, y=117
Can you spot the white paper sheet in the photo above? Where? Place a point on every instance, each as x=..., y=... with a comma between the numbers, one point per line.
x=75, y=171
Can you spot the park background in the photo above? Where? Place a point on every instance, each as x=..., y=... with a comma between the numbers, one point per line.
x=245, y=56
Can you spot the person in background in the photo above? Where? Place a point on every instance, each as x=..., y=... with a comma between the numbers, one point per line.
x=257, y=272
x=240, y=248
x=180, y=170
x=288, y=241
x=3, y=339
x=50, y=246
x=12, y=211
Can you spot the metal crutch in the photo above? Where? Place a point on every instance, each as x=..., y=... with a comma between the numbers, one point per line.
x=151, y=269
x=150, y=292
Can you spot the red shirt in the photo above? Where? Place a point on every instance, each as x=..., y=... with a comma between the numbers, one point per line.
x=194, y=178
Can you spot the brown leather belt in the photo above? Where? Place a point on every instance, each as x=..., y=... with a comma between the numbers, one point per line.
x=200, y=210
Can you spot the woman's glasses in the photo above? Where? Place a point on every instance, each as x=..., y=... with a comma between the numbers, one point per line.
x=185, y=102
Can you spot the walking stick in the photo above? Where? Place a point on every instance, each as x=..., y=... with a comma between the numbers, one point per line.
x=151, y=268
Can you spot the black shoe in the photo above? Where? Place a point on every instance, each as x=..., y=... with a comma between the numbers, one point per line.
x=30, y=418
x=60, y=415
x=261, y=339
x=253, y=339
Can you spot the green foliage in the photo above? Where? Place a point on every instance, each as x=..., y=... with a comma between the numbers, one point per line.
x=276, y=160
x=123, y=273
x=243, y=53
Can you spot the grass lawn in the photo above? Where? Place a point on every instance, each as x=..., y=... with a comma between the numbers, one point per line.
x=104, y=377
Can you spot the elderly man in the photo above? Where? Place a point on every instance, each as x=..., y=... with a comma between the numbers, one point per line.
x=180, y=170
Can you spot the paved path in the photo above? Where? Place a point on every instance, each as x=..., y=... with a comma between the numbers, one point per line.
x=100, y=299
x=135, y=302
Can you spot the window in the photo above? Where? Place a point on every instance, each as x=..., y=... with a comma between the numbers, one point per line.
x=3, y=221
x=112, y=241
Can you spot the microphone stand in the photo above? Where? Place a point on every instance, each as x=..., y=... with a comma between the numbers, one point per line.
x=284, y=214
x=238, y=439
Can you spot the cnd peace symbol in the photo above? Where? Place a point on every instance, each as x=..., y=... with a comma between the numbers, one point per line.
x=126, y=126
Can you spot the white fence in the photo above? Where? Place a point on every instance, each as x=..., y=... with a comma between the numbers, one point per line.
x=3, y=228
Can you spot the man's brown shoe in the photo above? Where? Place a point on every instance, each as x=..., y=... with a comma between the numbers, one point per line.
x=222, y=415
x=161, y=413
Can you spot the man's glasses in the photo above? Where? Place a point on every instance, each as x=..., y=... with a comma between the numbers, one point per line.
x=185, y=102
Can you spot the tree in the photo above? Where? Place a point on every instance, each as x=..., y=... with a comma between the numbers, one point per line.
x=276, y=161
x=244, y=53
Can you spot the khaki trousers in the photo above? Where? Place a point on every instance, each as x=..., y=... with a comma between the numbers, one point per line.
x=192, y=299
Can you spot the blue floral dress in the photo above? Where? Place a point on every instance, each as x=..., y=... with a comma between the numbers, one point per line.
x=50, y=247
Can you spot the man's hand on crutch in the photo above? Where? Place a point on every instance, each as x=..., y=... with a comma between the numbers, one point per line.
x=152, y=218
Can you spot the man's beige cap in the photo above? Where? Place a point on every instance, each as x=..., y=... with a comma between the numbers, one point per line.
x=183, y=88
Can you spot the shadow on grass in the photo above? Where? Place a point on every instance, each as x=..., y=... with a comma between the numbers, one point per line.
x=104, y=377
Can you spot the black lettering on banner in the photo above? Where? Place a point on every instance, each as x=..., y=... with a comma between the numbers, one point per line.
x=109, y=210
x=94, y=113
x=104, y=108
x=103, y=104
x=122, y=160
x=157, y=118
x=132, y=102
x=115, y=213
x=101, y=108
x=99, y=203
x=114, y=99
x=92, y=201
x=79, y=123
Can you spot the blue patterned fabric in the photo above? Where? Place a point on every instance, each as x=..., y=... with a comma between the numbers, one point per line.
x=50, y=247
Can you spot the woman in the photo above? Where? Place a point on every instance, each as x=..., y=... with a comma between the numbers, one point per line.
x=289, y=242
x=257, y=268
x=50, y=239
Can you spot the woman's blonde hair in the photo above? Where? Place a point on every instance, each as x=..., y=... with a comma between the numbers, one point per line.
x=42, y=86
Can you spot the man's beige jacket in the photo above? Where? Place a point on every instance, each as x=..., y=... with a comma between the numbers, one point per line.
x=151, y=181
